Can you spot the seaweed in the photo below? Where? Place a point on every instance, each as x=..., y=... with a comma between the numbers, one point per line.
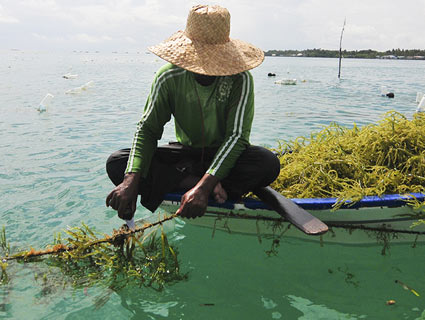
x=349, y=164
x=85, y=258
x=273, y=248
x=349, y=277
x=4, y=252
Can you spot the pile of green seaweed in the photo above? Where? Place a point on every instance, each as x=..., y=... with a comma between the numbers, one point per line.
x=383, y=158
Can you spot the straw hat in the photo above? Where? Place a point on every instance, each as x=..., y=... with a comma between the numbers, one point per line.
x=205, y=47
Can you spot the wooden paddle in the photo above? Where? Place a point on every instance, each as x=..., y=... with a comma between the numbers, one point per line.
x=291, y=211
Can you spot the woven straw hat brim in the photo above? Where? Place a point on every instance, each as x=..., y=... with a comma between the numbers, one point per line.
x=231, y=57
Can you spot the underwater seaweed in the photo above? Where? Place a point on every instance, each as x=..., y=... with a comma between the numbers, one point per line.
x=85, y=258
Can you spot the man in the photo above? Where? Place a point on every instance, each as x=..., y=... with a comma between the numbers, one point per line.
x=209, y=92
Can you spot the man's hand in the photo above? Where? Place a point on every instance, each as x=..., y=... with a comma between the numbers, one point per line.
x=124, y=196
x=195, y=201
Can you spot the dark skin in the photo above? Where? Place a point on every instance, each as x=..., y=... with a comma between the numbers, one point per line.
x=123, y=197
x=203, y=79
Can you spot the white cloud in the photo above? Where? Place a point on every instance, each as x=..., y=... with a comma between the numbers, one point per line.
x=84, y=37
x=39, y=36
x=130, y=39
x=8, y=19
x=270, y=24
x=5, y=18
x=112, y=15
x=81, y=37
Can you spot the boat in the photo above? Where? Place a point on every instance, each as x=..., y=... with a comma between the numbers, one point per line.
x=372, y=219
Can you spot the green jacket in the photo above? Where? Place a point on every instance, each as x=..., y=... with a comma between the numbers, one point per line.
x=227, y=112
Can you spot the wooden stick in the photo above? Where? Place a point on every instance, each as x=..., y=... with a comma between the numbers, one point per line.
x=340, y=50
x=107, y=239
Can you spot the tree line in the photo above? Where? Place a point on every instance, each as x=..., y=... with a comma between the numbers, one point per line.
x=360, y=54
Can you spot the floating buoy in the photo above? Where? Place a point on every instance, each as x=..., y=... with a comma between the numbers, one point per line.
x=421, y=105
x=286, y=81
x=80, y=89
x=386, y=93
x=45, y=102
x=70, y=76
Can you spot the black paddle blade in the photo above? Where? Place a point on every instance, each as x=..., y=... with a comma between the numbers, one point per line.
x=289, y=210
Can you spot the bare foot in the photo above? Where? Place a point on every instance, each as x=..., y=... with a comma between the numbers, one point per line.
x=220, y=195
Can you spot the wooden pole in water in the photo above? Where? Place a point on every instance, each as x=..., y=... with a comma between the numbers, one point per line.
x=340, y=50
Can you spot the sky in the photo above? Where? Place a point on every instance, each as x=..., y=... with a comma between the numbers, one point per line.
x=126, y=25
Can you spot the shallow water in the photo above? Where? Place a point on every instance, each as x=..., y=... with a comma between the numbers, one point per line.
x=52, y=176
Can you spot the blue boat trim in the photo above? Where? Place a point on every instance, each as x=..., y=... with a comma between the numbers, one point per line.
x=388, y=200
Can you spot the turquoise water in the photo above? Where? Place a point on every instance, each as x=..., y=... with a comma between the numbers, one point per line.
x=52, y=176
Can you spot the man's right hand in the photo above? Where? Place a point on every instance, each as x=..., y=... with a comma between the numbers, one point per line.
x=124, y=196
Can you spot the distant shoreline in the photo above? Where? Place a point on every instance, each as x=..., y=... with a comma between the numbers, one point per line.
x=394, y=54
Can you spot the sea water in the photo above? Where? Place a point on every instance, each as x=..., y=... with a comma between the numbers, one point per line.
x=52, y=175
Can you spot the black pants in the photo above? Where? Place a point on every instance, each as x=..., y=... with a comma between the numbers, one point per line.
x=256, y=167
